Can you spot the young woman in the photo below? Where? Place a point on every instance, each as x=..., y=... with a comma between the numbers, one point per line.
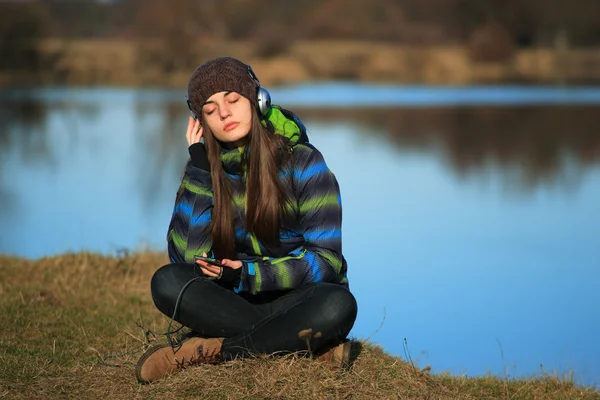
x=259, y=198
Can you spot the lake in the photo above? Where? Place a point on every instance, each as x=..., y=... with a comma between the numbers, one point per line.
x=471, y=217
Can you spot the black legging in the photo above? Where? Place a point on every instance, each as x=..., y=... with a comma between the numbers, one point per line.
x=316, y=315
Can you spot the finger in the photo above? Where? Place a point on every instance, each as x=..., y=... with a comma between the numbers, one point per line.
x=212, y=268
x=207, y=272
x=197, y=134
x=194, y=132
x=202, y=263
x=188, y=133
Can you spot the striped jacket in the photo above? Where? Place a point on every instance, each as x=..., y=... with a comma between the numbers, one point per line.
x=311, y=241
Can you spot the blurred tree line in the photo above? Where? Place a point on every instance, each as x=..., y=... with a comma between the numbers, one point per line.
x=168, y=29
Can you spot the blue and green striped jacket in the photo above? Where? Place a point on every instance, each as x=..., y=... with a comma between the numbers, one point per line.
x=311, y=243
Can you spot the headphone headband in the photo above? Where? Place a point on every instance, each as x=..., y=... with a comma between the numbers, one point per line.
x=189, y=104
x=253, y=75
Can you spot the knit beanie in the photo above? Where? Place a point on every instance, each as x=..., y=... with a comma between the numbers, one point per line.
x=224, y=74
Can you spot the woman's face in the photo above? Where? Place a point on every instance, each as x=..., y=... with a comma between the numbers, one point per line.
x=228, y=115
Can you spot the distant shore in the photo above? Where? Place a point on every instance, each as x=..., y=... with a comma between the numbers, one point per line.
x=122, y=63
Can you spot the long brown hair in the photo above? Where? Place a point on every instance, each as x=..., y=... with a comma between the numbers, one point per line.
x=265, y=198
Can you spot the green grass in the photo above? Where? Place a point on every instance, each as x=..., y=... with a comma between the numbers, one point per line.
x=61, y=316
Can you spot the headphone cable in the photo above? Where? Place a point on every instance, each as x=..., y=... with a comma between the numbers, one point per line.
x=174, y=345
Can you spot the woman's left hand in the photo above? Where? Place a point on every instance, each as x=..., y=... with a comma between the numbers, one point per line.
x=216, y=271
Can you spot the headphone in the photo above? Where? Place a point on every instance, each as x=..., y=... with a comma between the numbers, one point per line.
x=263, y=98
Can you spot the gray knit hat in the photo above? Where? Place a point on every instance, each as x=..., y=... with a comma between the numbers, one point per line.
x=220, y=75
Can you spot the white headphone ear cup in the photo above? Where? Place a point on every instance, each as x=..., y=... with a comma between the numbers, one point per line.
x=264, y=100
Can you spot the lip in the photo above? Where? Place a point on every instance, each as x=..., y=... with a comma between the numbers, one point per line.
x=229, y=126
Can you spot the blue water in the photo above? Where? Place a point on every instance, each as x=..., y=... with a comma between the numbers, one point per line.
x=345, y=95
x=494, y=268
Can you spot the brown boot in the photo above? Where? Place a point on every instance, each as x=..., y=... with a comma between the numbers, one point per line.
x=162, y=359
x=338, y=356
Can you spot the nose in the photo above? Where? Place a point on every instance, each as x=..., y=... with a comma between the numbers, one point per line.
x=224, y=110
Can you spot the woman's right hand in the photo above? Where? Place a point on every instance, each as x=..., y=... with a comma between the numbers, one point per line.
x=194, y=131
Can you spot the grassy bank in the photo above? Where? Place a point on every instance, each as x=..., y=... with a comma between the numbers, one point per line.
x=61, y=316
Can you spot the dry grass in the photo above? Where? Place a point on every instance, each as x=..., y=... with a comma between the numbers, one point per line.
x=61, y=316
x=124, y=63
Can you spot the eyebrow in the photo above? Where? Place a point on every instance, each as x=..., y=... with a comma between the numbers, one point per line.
x=210, y=101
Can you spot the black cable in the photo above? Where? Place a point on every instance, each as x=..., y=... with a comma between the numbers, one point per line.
x=167, y=334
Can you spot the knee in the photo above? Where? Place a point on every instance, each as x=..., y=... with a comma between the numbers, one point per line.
x=339, y=306
x=163, y=284
x=159, y=281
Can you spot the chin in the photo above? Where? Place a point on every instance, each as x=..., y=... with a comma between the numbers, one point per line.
x=233, y=136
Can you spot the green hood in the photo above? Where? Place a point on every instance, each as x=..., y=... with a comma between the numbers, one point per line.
x=286, y=124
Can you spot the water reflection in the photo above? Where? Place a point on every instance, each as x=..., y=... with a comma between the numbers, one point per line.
x=21, y=134
x=158, y=128
x=531, y=146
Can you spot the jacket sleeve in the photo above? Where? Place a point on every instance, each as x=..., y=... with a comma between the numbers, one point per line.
x=189, y=230
x=320, y=258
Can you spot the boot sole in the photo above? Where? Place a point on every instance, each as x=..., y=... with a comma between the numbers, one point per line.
x=145, y=356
